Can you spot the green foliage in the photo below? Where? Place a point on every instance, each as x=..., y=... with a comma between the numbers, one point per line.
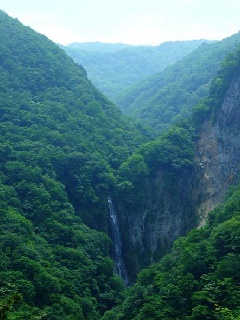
x=6, y=305
x=133, y=167
x=61, y=142
x=174, y=150
x=58, y=127
x=170, y=96
x=64, y=149
x=199, y=279
x=228, y=72
x=59, y=266
x=115, y=67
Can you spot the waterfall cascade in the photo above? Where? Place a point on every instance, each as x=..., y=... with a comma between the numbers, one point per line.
x=116, y=238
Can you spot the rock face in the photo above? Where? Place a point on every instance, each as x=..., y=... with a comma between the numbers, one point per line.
x=164, y=212
x=218, y=152
x=174, y=202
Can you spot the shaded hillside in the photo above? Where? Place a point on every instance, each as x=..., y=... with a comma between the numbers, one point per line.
x=199, y=279
x=61, y=141
x=47, y=99
x=114, y=70
x=168, y=97
x=66, y=152
x=170, y=184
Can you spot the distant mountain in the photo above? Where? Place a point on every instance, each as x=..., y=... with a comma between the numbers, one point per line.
x=73, y=167
x=99, y=46
x=199, y=279
x=115, y=67
x=169, y=96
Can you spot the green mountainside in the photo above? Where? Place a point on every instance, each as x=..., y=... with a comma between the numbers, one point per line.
x=166, y=98
x=199, y=278
x=61, y=141
x=65, y=149
x=114, y=67
x=169, y=185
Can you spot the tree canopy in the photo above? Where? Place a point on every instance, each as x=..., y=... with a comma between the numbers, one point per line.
x=113, y=68
x=64, y=149
x=168, y=97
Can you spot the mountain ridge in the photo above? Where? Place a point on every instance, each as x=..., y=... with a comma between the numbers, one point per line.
x=168, y=97
x=183, y=174
x=66, y=150
x=199, y=278
x=61, y=142
x=113, y=72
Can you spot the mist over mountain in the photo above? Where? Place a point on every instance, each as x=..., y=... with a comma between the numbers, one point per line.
x=114, y=67
x=99, y=46
x=168, y=97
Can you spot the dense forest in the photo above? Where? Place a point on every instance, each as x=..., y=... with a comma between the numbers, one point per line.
x=168, y=97
x=113, y=68
x=199, y=278
x=65, y=150
x=61, y=141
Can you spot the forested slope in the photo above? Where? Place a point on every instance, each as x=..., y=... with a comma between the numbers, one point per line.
x=115, y=67
x=65, y=149
x=170, y=184
x=166, y=98
x=60, y=142
x=199, y=278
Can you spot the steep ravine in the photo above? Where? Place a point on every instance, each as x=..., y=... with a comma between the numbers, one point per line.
x=174, y=202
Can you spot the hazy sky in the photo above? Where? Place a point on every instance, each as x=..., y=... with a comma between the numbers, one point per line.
x=127, y=21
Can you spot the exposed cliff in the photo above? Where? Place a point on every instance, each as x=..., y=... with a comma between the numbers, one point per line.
x=218, y=152
x=164, y=212
x=175, y=201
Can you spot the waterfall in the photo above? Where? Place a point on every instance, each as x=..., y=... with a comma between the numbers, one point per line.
x=117, y=243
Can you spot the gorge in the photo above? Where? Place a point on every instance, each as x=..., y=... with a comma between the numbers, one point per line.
x=76, y=172
x=176, y=200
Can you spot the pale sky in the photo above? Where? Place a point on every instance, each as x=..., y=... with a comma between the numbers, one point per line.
x=127, y=21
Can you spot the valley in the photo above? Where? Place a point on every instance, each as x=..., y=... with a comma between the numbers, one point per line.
x=122, y=210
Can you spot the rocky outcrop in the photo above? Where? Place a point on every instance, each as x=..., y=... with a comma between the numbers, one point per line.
x=165, y=212
x=218, y=152
x=174, y=202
